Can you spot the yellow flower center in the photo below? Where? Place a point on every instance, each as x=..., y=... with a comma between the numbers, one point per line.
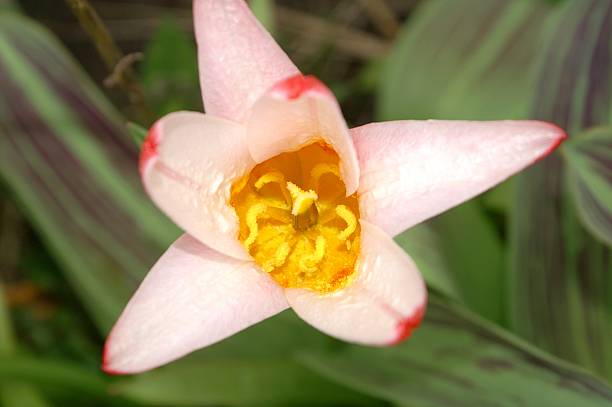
x=296, y=221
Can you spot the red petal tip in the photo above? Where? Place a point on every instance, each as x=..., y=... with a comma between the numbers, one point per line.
x=556, y=143
x=406, y=326
x=106, y=362
x=111, y=372
x=149, y=148
x=297, y=85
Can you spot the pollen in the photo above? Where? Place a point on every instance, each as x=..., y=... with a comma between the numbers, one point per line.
x=296, y=220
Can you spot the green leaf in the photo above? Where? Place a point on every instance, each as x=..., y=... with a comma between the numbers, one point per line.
x=499, y=198
x=7, y=340
x=54, y=376
x=560, y=296
x=65, y=155
x=7, y=5
x=475, y=255
x=169, y=71
x=13, y=393
x=264, y=11
x=465, y=59
x=458, y=359
x=574, y=69
x=234, y=382
x=137, y=132
x=589, y=156
x=424, y=246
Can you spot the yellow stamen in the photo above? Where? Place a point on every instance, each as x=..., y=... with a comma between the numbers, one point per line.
x=280, y=257
x=275, y=177
x=309, y=263
x=251, y=220
x=321, y=169
x=350, y=219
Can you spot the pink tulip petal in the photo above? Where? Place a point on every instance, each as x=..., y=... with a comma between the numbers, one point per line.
x=238, y=59
x=413, y=170
x=295, y=113
x=188, y=163
x=382, y=306
x=191, y=298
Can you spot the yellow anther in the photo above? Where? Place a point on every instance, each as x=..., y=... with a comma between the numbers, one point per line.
x=309, y=263
x=319, y=249
x=302, y=200
x=321, y=169
x=252, y=215
x=280, y=257
x=276, y=177
x=351, y=221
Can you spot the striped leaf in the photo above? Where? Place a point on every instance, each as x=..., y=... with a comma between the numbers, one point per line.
x=466, y=59
x=460, y=59
x=65, y=155
x=589, y=156
x=237, y=382
x=425, y=248
x=456, y=360
x=560, y=290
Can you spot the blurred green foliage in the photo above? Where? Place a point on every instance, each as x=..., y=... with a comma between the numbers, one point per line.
x=169, y=73
x=530, y=259
x=560, y=290
x=589, y=155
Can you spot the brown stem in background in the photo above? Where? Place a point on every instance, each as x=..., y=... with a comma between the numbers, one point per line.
x=121, y=72
x=12, y=230
x=348, y=40
x=382, y=16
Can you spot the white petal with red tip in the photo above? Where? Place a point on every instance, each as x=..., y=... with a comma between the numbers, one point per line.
x=188, y=164
x=296, y=112
x=413, y=170
x=383, y=303
x=191, y=298
x=237, y=57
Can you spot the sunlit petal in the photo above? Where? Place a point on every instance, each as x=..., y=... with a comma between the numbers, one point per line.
x=237, y=57
x=413, y=170
x=191, y=298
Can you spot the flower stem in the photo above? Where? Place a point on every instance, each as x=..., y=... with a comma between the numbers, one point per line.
x=121, y=72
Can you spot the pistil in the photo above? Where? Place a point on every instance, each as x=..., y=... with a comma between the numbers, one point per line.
x=303, y=209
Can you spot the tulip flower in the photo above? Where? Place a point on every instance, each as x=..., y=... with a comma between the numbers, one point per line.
x=284, y=206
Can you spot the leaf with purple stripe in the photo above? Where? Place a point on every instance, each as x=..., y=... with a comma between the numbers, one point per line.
x=560, y=292
x=473, y=59
x=65, y=155
x=589, y=156
x=457, y=359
